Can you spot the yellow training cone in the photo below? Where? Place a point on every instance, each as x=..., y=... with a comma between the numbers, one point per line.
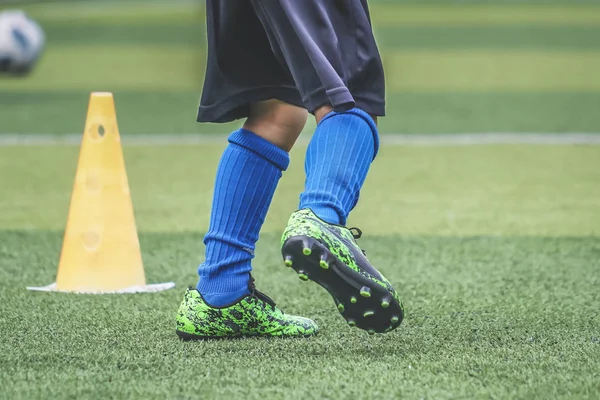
x=101, y=251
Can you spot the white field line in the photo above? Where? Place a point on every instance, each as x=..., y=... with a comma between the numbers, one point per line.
x=449, y=139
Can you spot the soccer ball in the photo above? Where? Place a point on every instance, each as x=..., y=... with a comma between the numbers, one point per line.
x=22, y=42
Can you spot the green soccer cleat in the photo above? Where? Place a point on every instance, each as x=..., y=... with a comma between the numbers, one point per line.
x=253, y=315
x=328, y=255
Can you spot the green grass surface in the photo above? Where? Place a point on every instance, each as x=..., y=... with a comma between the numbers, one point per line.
x=486, y=318
x=464, y=191
x=160, y=111
x=495, y=249
x=417, y=71
x=524, y=36
x=450, y=66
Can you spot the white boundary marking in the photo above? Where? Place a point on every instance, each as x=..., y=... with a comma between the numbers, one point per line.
x=388, y=139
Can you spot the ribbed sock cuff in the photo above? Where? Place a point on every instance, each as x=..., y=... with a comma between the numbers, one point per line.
x=225, y=281
x=223, y=289
x=265, y=149
x=367, y=118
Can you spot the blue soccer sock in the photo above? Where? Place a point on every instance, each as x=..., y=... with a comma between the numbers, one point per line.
x=337, y=162
x=247, y=176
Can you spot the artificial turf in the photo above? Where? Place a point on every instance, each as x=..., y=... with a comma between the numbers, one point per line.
x=487, y=317
x=494, y=249
x=451, y=66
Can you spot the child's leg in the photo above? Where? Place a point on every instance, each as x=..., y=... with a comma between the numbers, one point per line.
x=247, y=176
x=337, y=162
x=243, y=79
x=330, y=51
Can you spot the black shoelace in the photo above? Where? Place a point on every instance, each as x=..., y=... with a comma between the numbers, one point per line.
x=258, y=295
x=356, y=234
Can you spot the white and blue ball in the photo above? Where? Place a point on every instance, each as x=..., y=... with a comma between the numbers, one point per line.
x=22, y=42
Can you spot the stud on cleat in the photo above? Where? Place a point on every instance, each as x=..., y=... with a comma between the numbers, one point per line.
x=302, y=275
x=353, y=300
x=341, y=307
x=351, y=322
x=306, y=251
x=371, y=331
x=395, y=319
x=288, y=261
x=365, y=291
x=385, y=304
x=368, y=313
x=324, y=264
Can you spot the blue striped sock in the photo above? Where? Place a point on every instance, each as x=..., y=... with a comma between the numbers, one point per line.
x=247, y=175
x=337, y=162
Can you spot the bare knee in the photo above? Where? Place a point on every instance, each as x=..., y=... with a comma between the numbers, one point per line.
x=278, y=122
x=321, y=112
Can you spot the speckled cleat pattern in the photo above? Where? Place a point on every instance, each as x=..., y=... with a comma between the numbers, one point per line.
x=328, y=255
x=251, y=316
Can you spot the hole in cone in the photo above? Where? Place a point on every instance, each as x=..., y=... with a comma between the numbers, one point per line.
x=97, y=132
x=93, y=183
x=91, y=240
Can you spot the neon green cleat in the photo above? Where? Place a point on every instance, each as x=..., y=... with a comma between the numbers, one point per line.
x=328, y=255
x=253, y=315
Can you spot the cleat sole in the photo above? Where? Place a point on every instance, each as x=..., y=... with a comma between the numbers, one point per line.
x=345, y=285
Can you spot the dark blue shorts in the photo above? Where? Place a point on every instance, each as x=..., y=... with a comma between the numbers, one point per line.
x=308, y=53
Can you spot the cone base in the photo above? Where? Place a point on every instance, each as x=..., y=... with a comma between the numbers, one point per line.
x=150, y=288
